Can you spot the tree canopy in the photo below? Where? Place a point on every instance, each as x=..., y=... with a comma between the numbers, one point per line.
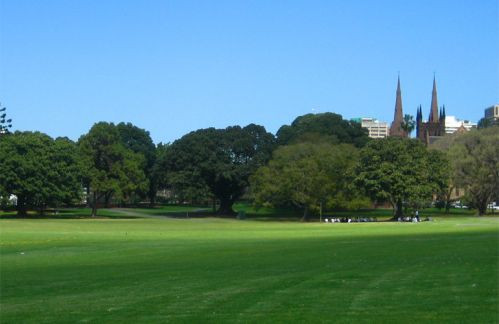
x=139, y=141
x=218, y=161
x=109, y=167
x=305, y=175
x=329, y=127
x=40, y=171
x=475, y=161
x=401, y=171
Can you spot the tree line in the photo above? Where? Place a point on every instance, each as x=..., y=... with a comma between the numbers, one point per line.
x=319, y=161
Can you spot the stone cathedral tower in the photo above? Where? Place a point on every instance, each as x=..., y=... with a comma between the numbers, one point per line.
x=435, y=126
x=398, y=118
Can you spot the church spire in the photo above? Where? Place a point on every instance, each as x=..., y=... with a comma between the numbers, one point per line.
x=434, y=104
x=398, y=102
x=396, y=127
x=419, y=120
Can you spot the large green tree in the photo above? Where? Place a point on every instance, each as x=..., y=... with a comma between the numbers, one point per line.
x=307, y=175
x=41, y=172
x=139, y=141
x=110, y=168
x=475, y=159
x=401, y=171
x=447, y=196
x=66, y=170
x=218, y=162
x=328, y=127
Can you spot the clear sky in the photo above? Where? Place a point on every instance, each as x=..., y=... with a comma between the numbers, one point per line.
x=175, y=66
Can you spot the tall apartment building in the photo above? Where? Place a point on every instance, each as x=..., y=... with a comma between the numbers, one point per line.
x=376, y=128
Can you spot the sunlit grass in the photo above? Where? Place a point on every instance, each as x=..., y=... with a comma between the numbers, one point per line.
x=221, y=270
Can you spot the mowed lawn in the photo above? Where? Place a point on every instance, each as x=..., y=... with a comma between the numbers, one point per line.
x=221, y=270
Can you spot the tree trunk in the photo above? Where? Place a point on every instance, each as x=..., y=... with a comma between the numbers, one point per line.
x=305, y=214
x=151, y=193
x=22, y=212
x=94, y=205
x=482, y=208
x=21, y=207
x=447, y=199
x=225, y=208
x=481, y=201
x=398, y=209
x=152, y=200
x=107, y=198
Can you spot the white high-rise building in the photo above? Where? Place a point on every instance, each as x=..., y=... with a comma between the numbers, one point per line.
x=452, y=124
x=376, y=128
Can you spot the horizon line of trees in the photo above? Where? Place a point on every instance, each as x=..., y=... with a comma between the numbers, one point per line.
x=319, y=161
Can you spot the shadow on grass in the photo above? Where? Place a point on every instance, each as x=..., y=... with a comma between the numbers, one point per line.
x=381, y=214
x=250, y=213
x=75, y=213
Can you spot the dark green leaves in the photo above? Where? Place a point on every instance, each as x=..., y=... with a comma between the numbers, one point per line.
x=324, y=127
x=401, y=171
x=40, y=171
x=217, y=162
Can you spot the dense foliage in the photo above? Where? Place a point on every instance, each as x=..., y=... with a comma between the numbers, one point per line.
x=110, y=168
x=475, y=160
x=139, y=141
x=402, y=172
x=38, y=170
x=217, y=162
x=322, y=160
x=307, y=176
x=327, y=127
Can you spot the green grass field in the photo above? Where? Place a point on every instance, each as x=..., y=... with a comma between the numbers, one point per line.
x=222, y=270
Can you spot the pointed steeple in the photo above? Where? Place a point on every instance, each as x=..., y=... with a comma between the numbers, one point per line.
x=396, y=127
x=398, y=102
x=434, y=104
x=419, y=120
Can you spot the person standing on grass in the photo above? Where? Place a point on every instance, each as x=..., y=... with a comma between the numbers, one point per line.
x=417, y=215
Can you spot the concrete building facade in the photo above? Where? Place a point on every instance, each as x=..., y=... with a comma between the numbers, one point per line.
x=376, y=128
x=492, y=113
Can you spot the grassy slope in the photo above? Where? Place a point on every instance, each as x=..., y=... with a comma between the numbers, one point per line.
x=213, y=270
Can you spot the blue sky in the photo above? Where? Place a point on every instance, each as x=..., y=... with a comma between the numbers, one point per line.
x=175, y=66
